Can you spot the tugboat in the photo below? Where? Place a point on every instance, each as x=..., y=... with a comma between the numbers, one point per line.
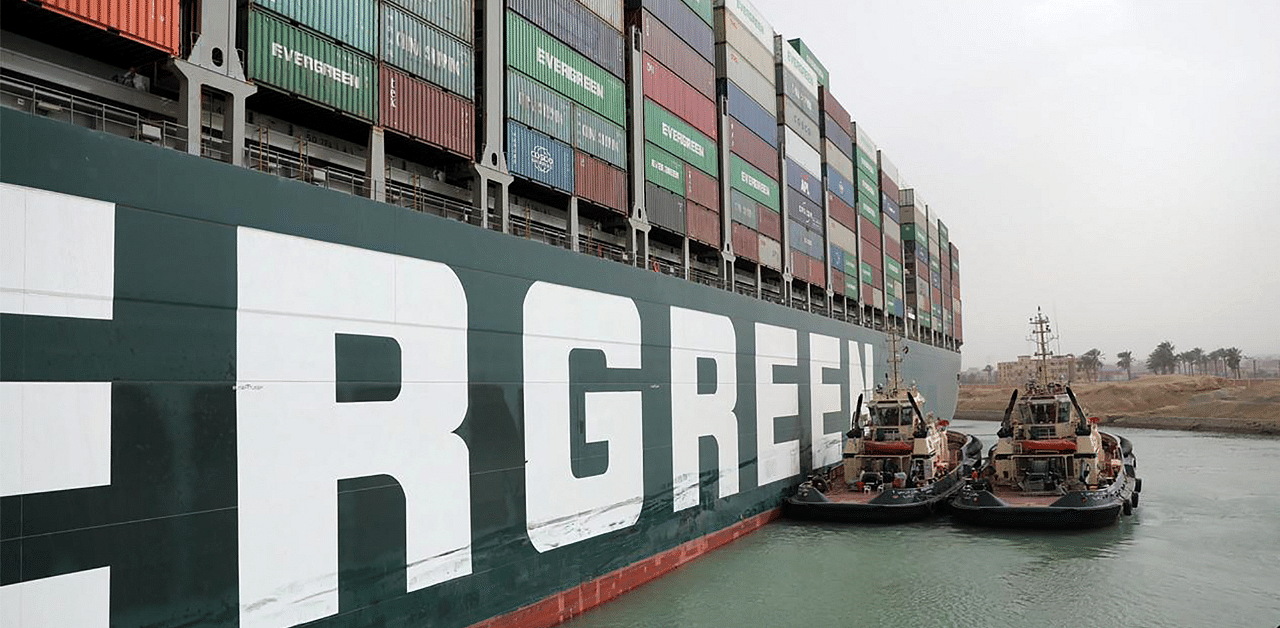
x=902, y=465
x=1051, y=467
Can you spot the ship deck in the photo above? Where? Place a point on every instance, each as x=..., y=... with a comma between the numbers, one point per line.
x=1018, y=498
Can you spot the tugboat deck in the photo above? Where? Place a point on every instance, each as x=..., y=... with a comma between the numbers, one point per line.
x=1018, y=498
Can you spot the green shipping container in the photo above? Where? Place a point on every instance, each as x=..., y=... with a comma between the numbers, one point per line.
x=910, y=232
x=867, y=163
x=662, y=168
x=868, y=273
x=426, y=51
x=452, y=16
x=352, y=22
x=870, y=212
x=869, y=187
x=892, y=268
x=702, y=8
x=812, y=60
x=748, y=179
x=677, y=137
x=544, y=58
x=851, y=265
x=298, y=62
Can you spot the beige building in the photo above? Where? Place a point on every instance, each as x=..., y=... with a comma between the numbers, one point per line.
x=1062, y=368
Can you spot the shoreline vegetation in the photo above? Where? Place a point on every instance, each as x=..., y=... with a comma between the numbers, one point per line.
x=1170, y=402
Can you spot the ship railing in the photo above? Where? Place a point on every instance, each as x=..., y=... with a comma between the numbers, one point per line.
x=418, y=199
x=666, y=267
x=602, y=249
x=772, y=296
x=530, y=229
x=705, y=277
x=50, y=103
x=267, y=158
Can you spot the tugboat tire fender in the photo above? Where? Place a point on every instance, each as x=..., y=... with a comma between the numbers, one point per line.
x=1134, y=500
x=1137, y=485
x=1128, y=510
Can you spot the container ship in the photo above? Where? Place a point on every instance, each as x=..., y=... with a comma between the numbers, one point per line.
x=427, y=312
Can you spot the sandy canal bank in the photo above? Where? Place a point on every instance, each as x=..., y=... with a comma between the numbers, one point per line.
x=1177, y=402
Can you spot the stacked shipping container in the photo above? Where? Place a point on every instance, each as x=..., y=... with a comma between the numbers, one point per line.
x=838, y=176
x=799, y=129
x=681, y=153
x=867, y=194
x=892, y=239
x=915, y=257
x=744, y=71
x=566, y=98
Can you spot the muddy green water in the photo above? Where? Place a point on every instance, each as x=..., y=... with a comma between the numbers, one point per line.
x=1202, y=549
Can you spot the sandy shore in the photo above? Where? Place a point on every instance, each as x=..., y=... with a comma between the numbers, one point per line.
x=1173, y=402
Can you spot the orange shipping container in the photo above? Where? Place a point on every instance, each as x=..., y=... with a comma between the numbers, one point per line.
x=600, y=183
x=817, y=272
x=837, y=281
x=425, y=112
x=746, y=243
x=152, y=22
x=702, y=224
x=769, y=221
x=701, y=188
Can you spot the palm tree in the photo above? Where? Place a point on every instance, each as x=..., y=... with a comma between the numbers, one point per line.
x=1162, y=359
x=1197, y=359
x=1089, y=362
x=1124, y=360
x=988, y=370
x=1232, y=358
x=1214, y=356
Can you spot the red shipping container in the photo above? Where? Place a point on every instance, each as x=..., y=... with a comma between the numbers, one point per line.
x=746, y=242
x=156, y=23
x=672, y=52
x=868, y=231
x=701, y=188
x=877, y=279
x=837, y=112
x=889, y=187
x=817, y=272
x=868, y=296
x=747, y=145
x=841, y=212
x=702, y=224
x=669, y=90
x=893, y=249
x=800, y=265
x=870, y=254
x=837, y=281
x=599, y=182
x=769, y=222
x=426, y=112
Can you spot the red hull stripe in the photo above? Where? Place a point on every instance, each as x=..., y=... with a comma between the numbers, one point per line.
x=565, y=605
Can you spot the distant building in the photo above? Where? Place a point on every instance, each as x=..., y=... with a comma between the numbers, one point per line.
x=1062, y=368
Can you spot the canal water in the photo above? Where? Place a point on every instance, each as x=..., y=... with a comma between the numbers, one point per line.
x=1202, y=549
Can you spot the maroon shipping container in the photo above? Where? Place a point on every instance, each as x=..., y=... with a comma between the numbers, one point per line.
x=800, y=265
x=156, y=23
x=841, y=212
x=599, y=182
x=744, y=143
x=868, y=297
x=817, y=272
x=833, y=108
x=837, y=281
x=893, y=249
x=672, y=52
x=769, y=222
x=701, y=188
x=669, y=90
x=868, y=231
x=702, y=224
x=746, y=242
x=877, y=279
x=426, y=112
x=889, y=187
x=871, y=254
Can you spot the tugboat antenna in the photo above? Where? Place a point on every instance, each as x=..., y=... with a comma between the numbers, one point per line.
x=1041, y=336
x=895, y=360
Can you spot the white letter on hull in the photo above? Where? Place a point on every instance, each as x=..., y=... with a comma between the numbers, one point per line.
x=775, y=346
x=697, y=335
x=824, y=353
x=57, y=259
x=560, y=508
x=295, y=440
x=861, y=375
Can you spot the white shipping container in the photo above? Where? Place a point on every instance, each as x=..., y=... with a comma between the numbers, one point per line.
x=731, y=30
x=888, y=168
x=770, y=252
x=864, y=141
x=805, y=156
x=736, y=68
x=877, y=298
x=838, y=160
x=752, y=18
x=843, y=236
x=792, y=61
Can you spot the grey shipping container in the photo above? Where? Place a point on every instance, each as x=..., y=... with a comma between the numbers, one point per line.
x=351, y=22
x=608, y=10
x=291, y=59
x=834, y=132
x=732, y=65
x=742, y=208
x=804, y=211
x=664, y=208
x=575, y=25
x=685, y=23
x=426, y=51
x=535, y=156
x=806, y=240
x=797, y=92
x=793, y=117
x=747, y=111
x=455, y=17
x=599, y=137
x=537, y=106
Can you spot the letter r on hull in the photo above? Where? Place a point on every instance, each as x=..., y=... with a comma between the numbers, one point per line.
x=295, y=439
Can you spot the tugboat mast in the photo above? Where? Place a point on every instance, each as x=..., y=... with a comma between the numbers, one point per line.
x=895, y=361
x=1040, y=332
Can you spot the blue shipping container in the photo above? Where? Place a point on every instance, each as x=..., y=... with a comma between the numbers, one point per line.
x=749, y=113
x=805, y=241
x=742, y=208
x=889, y=207
x=804, y=182
x=794, y=89
x=577, y=26
x=535, y=156
x=686, y=24
x=839, y=185
x=804, y=211
x=833, y=132
x=837, y=258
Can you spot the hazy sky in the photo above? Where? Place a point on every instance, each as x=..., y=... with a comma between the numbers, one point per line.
x=1114, y=162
